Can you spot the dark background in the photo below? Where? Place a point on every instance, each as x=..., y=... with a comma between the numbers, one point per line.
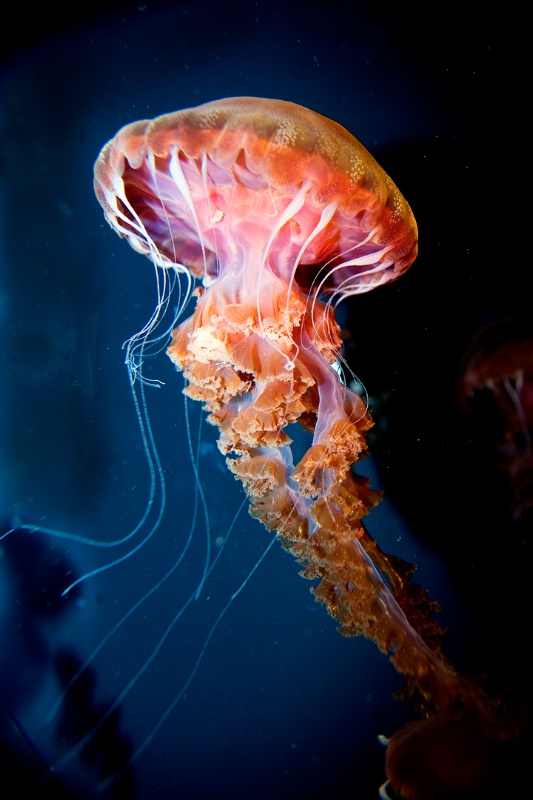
x=280, y=703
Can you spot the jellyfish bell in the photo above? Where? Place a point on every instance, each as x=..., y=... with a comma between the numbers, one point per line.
x=259, y=187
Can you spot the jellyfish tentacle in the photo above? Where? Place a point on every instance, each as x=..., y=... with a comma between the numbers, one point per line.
x=317, y=505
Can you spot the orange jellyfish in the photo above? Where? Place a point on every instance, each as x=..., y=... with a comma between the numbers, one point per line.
x=280, y=213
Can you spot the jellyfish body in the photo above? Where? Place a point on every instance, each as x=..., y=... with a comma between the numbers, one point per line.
x=496, y=383
x=450, y=758
x=281, y=213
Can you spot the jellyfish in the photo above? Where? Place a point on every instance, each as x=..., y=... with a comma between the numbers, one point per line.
x=274, y=214
x=495, y=383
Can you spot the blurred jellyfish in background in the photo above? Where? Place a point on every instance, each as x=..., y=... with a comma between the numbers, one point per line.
x=496, y=385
